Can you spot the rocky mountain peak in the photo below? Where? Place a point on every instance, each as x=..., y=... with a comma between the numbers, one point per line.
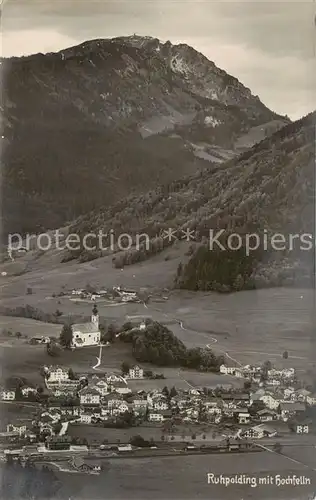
x=115, y=115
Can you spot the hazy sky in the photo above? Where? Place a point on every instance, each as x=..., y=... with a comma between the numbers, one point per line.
x=267, y=45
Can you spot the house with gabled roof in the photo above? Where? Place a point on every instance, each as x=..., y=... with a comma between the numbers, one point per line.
x=311, y=399
x=267, y=415
x=102, y=387
x=258, y=432
x=89, y=396
x=7, y=395
x=112, y=400
x=120, y=387
x=271, y=402
x=136, y=372
x=289, y=409
x=113, y=377
x=80, y=465
x=57, y=374
x=19, y=429
x=302, y=395
x=119, y=409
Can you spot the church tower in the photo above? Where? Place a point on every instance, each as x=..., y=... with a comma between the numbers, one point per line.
x=95, y=316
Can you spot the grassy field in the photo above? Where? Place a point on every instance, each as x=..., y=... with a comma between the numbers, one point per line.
x=22, y=359
x=248, y=327
x=186, y=478
x=17, y=413
x=28, y=327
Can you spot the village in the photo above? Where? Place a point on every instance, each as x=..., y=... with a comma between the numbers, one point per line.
x=117, y=293
x=272, y=405
x=104, y=413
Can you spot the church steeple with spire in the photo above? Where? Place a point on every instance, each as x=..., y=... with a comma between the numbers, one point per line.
x=95, y=316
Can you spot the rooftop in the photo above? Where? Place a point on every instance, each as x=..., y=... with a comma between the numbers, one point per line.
x=85, y=328
x=292, y=406
x=89, y=390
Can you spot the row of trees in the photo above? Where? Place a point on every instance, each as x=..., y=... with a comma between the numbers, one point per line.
x=31, y=312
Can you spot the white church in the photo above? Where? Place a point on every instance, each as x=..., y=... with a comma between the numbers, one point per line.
x=87, y=334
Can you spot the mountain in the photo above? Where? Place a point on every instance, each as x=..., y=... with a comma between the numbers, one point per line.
x=91, y=124
x=268, y=190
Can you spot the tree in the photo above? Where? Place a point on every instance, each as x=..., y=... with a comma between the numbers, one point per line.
x=29, y=291
x=125, y=367
x=179, y=270
x=285, y=355
x=18, y=393
x=66, y=336
x=128, y=418
x=140, y=442
x=58, y=313
x=266, y=367
x=18, y=334
x=165, y=391
x=71, y=374
x=52, y=349
x=173, y=392
x=238, y=283
x=111, y=332
x=127, y=326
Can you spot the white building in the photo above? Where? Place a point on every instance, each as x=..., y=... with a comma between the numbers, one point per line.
x=119, y=409
x=7, y=395
x=136, y=372
x=259, y=431
x=102, y=387
x=57, y=374
x=270, y=401
x=20, y=429
x=266, y=415
x=120, y=387
x=227, y=370
x=113, y=400
x=311, y=400
x=28, y=390
x=85, y=418
x=89, y=396
x=243, y=417
x=273, y=381
x=112, y=377
x=87, y=334
x=159, y=404
x=139, y=405
x=289, y=393
x=155, y=417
